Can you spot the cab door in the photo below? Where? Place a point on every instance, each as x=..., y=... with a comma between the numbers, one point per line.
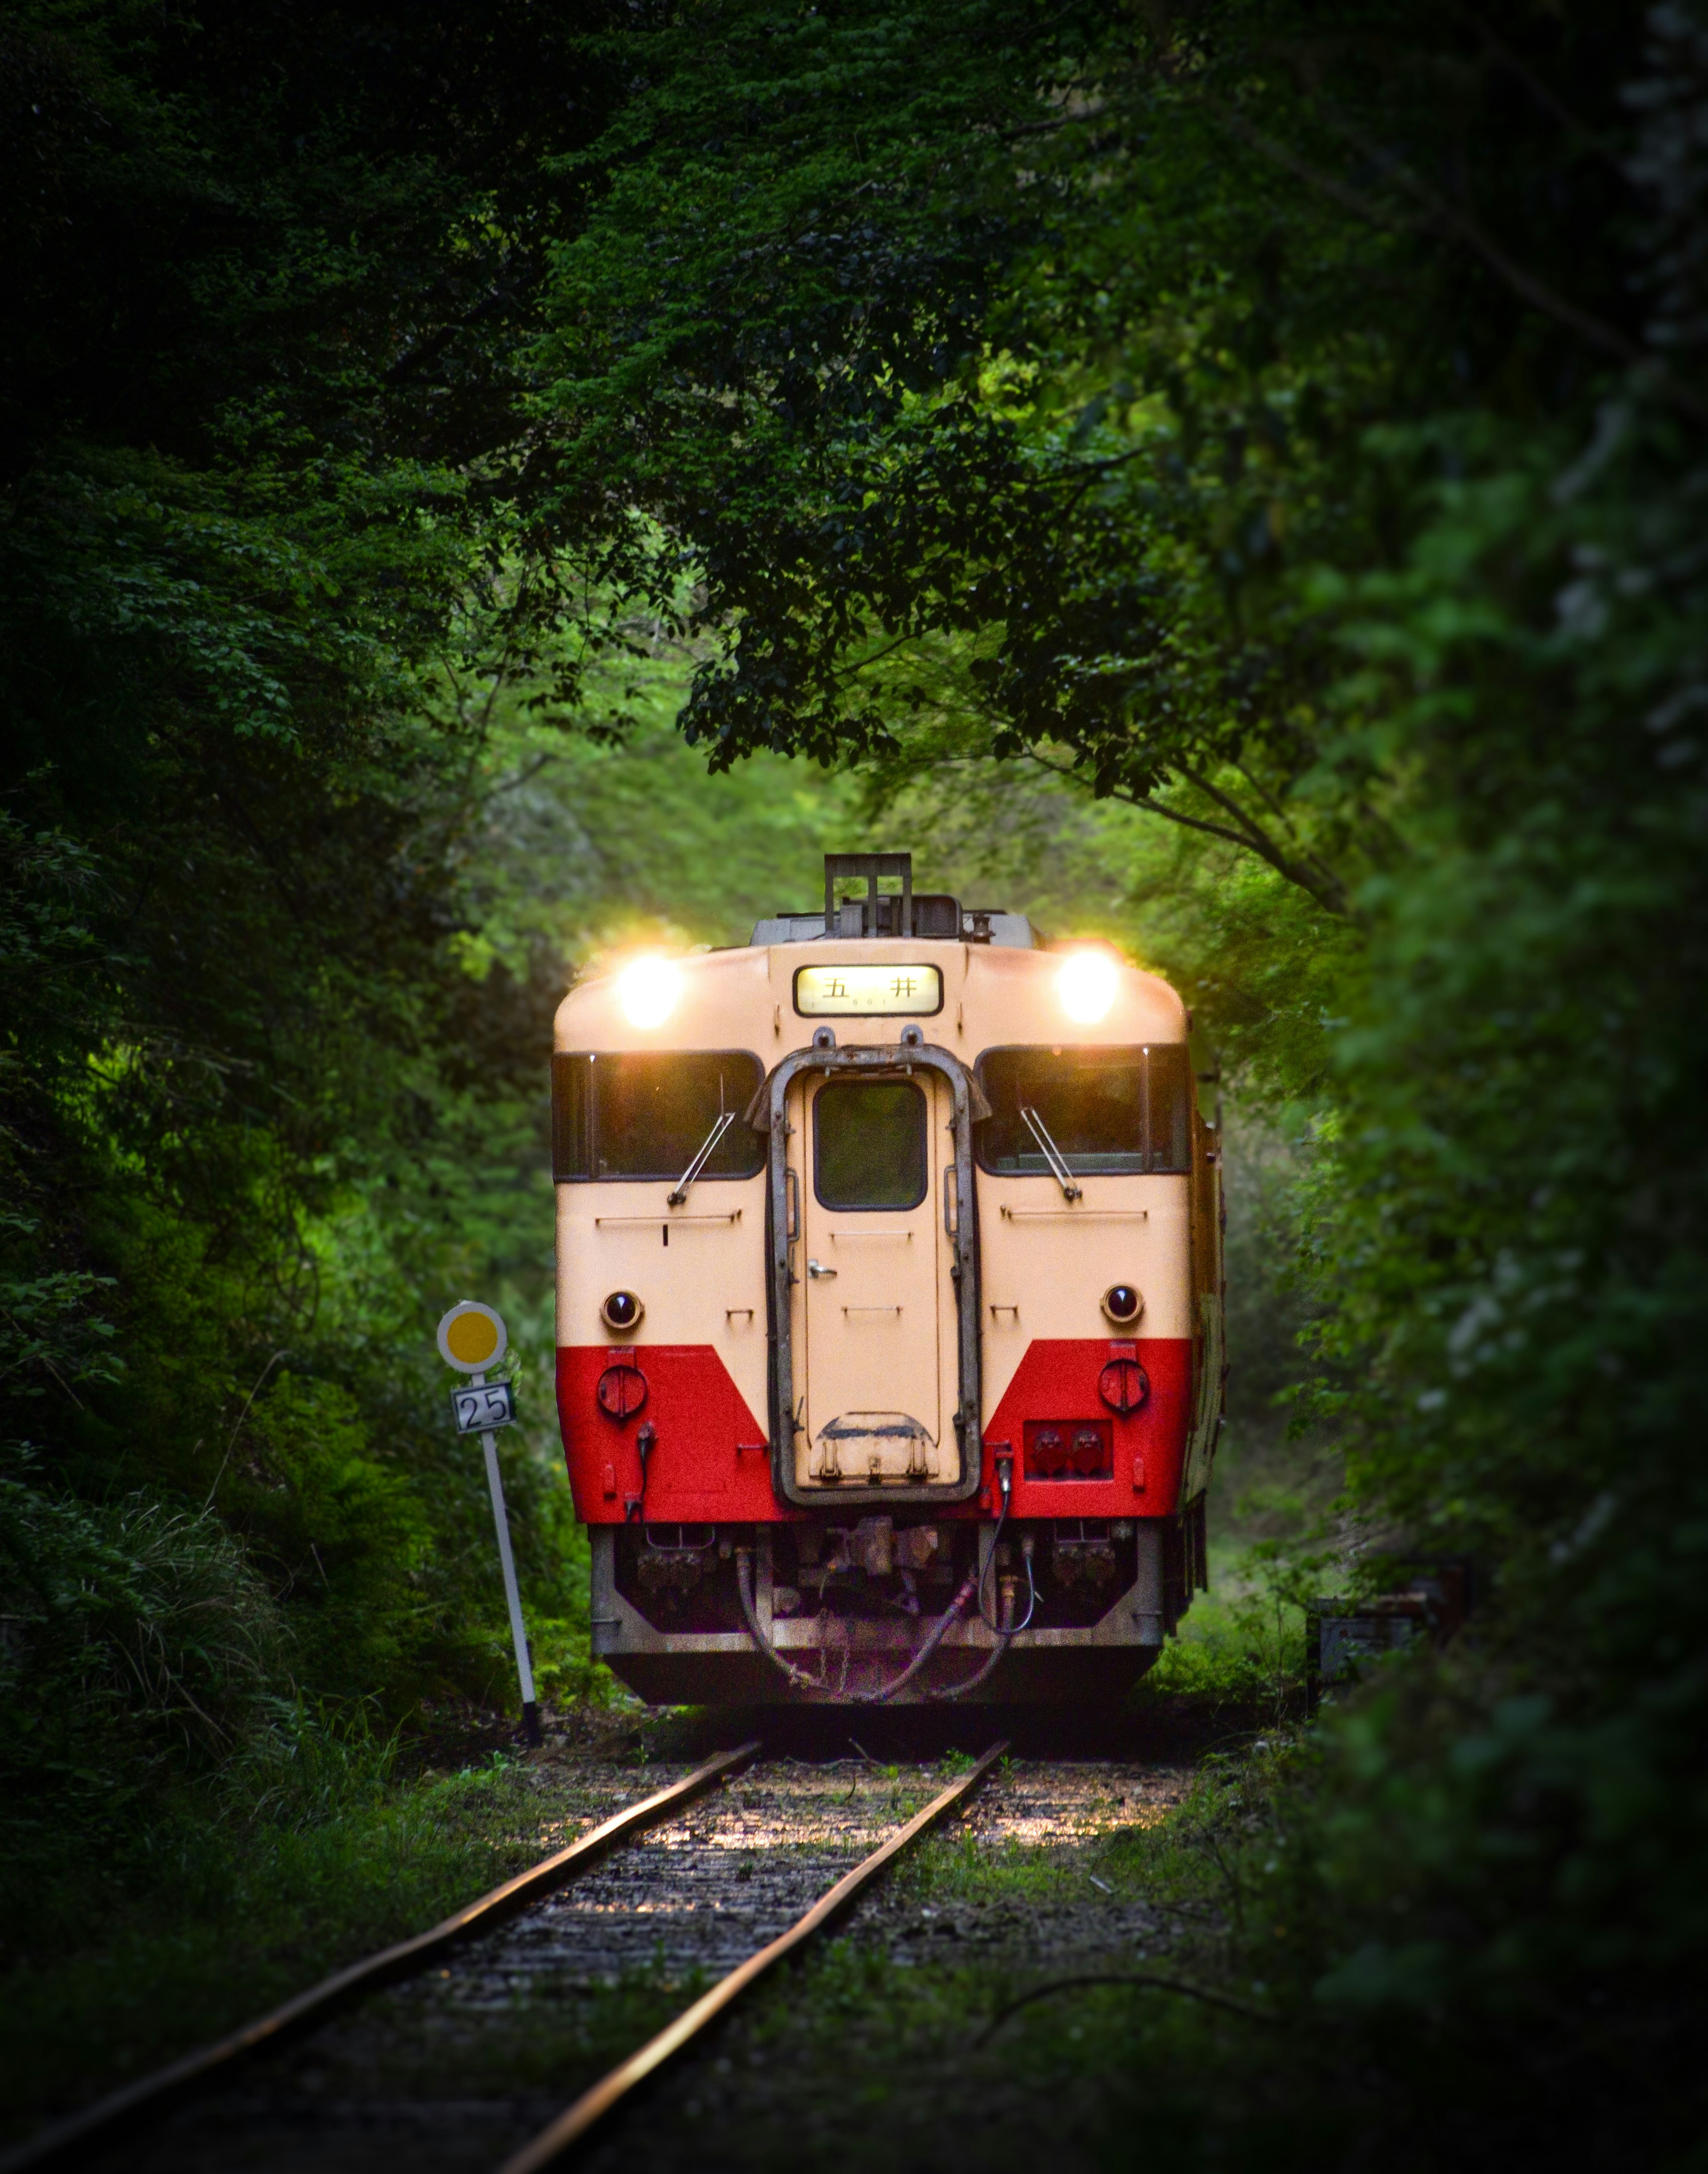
x=873, y=1279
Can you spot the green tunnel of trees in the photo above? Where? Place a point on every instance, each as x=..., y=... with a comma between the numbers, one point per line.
x=479, y=483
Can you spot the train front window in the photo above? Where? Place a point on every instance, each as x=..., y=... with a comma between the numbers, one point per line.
x=646, y=1114
x=1113, y=1112
x=869, y=1143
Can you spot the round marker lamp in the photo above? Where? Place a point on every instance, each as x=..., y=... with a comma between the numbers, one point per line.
x=622, y=1310
x=647, y=990
x=1123, y=1303
x=1086, y=986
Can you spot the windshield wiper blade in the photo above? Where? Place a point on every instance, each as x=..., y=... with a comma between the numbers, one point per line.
x=707, y=1146
x=1052, y=1154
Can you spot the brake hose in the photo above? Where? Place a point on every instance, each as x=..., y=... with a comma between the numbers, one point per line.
x=1005, y=1480
x=972, y=1588
x=1005, y=1635
x=744, y=1588
x=933, y=1638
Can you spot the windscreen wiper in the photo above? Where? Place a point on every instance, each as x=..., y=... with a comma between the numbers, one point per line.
x=675, y=1199
x=1052, y=1154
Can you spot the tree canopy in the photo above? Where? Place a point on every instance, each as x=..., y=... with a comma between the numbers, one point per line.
x=1026, y=376
x=1236, y=466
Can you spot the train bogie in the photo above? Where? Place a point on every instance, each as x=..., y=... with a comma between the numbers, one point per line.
x=890, y=1352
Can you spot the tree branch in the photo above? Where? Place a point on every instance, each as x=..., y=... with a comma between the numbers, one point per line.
x=1154, y=1983
x=1317, y=881
x=1302, y=170
x=1309, y=873
x=1443, y=217
x=1608, y=339
x=1548, y=99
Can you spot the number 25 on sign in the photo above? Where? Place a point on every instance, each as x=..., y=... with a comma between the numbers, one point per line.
x=479, y=1410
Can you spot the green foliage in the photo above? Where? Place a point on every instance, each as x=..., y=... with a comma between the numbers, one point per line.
x=270, y=276
x=1235, y=471
x=1072, y=499
x=322, y=1855
x=132, y=1634
x=328, y=1521
x=1242, y=1645
x=1314, y=464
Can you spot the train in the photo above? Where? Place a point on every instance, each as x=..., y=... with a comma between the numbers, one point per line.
x=890, y=1348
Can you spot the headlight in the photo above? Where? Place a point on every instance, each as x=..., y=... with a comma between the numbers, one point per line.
x=647, y=989
x=1086, y=986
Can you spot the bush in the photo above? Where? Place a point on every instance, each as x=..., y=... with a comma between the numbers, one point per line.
x=138, y=1640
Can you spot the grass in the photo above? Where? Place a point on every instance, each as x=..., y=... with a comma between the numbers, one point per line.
x=873, y=2036
x=1242, y=1643
x=228, y=1900
x=203, y=1921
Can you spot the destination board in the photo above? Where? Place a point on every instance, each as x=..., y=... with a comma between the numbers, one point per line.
x=868, y=991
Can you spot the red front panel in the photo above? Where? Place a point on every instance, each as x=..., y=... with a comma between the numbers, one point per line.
x=709, y=1461
x=1057, y=1384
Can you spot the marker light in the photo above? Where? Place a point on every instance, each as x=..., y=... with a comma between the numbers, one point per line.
x=1123, y=1303
x=622, y=1310
x=1086, y=986
x=648, y=989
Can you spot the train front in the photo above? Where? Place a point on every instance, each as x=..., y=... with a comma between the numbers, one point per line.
x=890, y=1350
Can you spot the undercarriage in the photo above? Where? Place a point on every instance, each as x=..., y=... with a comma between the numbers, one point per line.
x=882, y=1608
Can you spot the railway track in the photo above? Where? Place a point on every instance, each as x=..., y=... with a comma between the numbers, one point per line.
x=446, y=2048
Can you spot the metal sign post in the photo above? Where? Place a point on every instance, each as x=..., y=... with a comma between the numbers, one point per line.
x=471, y=1337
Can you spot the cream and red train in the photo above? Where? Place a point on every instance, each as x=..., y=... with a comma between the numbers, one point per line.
x=890, y=1306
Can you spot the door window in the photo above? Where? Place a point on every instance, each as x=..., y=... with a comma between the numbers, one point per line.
x=869, y=1148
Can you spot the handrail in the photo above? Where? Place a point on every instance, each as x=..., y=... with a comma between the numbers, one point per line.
x=767, y=1113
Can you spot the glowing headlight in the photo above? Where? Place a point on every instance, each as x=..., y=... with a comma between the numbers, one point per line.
x=647, y=989
x=1086, y=986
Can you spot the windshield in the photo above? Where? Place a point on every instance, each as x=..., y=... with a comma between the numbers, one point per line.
x=648, y=1114
x=1111, y=1113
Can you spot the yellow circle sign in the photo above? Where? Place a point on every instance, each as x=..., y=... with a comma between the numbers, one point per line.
x=471, y=1337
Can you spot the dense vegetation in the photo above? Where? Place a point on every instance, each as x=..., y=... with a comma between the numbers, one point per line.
x=1235, y=471
x=1289, y=421
x=242, y=555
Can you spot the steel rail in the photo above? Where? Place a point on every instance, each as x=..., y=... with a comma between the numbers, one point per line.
x=600, y=2099
x=151, y=2093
